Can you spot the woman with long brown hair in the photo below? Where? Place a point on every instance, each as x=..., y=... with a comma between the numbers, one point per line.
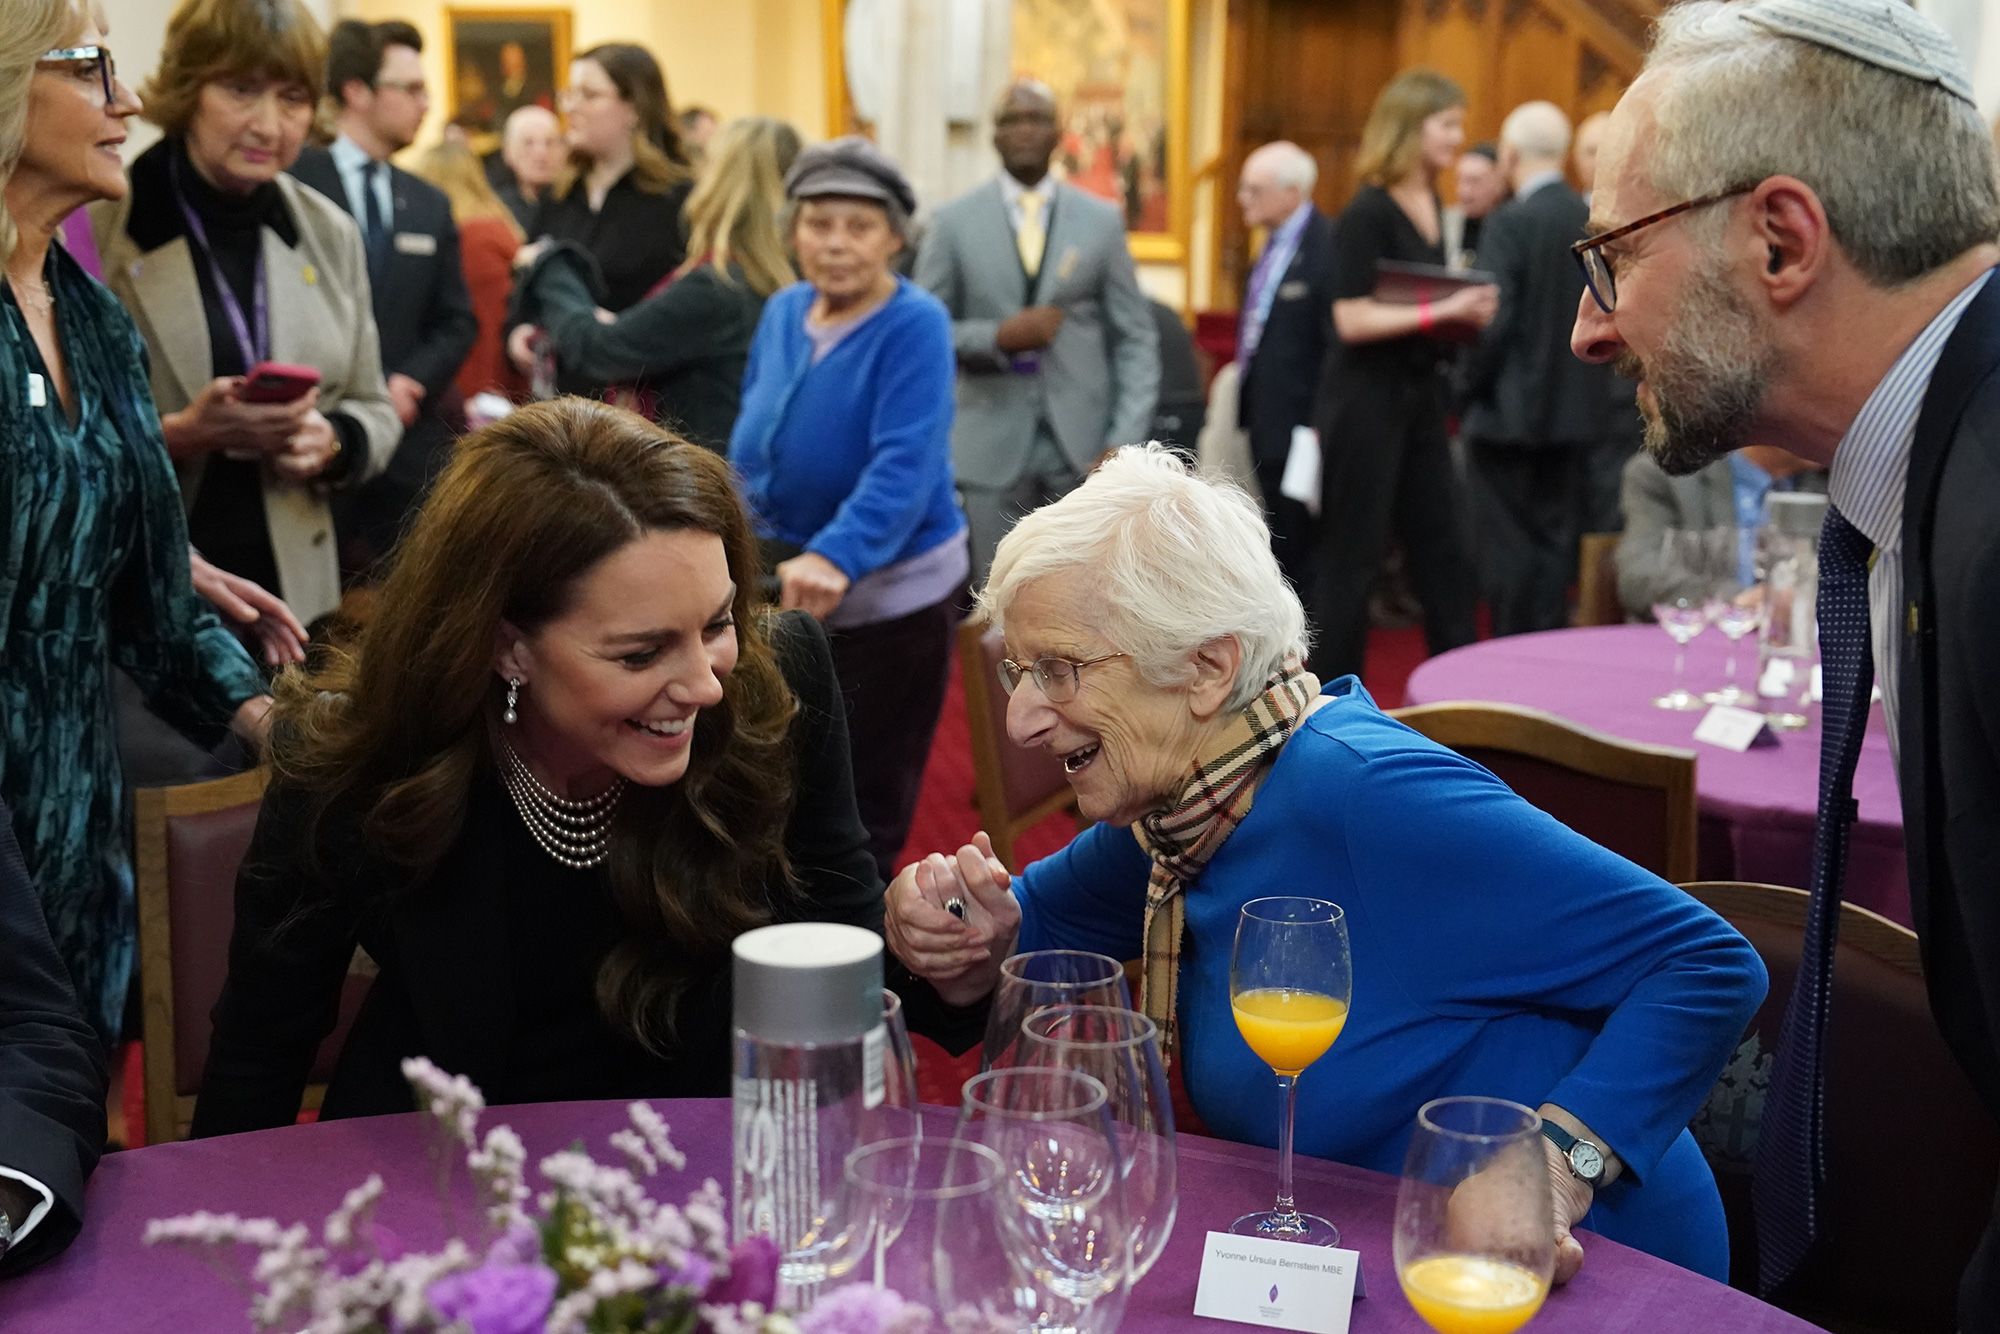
x=678, y=355
x=567, y=764
x=1385, y=461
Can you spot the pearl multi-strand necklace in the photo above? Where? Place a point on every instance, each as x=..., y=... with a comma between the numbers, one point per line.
x=575, y=833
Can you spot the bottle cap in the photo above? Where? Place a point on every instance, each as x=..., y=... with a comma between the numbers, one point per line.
x=808, y=982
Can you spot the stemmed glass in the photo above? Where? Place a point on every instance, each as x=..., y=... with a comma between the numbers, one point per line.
x=1474, y=1247
x=1062, y=1195
x=928, y=1213
x=1733, y=609
x=1121, y=1050
x=1040, y=978
x=1683, y=611
x=1290, y=980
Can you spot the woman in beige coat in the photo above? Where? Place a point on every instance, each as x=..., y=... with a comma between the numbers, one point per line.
x=224, y=261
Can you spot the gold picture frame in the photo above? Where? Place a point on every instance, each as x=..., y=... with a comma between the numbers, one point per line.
x=1120, y=72
x=497, y=60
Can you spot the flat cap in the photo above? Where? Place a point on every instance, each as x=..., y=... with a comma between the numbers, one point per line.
x=1887, y=34
x=850, y=167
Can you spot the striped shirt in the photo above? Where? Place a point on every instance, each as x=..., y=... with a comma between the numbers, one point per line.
x=1871, y=466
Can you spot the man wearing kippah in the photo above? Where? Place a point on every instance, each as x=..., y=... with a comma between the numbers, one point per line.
x=1792, y=234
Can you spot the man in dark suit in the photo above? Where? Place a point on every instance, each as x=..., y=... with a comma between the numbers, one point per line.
x=1532, y=408
x=423, y=313
x=1835, y=295
x=1282, y=337
x=52, y=1079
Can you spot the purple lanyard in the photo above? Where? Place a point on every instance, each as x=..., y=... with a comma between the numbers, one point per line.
x=254, y=349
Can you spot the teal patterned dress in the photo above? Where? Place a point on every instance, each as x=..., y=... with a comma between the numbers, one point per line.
x=93, y=572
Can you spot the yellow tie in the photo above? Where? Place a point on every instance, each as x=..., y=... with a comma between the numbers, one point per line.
x=1029, y=238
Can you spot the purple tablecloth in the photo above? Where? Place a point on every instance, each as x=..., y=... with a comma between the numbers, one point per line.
x=108, y=1281
x=1756, y=807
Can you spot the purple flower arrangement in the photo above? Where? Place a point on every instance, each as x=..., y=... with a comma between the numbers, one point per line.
x=596, y=1254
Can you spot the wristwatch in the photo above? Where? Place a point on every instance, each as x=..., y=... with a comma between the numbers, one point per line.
x=1586, y=1160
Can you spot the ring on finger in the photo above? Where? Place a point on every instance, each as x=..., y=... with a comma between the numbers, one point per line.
x=955, y=905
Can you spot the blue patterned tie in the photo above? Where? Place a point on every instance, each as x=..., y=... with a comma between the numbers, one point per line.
x=375, y=227
x=1252, y=332
x=1791, y=1147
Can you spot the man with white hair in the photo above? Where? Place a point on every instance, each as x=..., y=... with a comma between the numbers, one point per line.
x=531, y=148
x=1532, y=410
x=1283, y=333
x=1794, y=223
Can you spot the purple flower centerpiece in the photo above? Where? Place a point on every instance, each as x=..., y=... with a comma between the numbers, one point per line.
x=596, y=1253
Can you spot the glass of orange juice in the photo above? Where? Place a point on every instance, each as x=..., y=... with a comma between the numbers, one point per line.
x=1290, y=979
x=1475, y=1240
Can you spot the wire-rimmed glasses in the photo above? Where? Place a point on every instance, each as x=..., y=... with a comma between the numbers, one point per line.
x=1057, y=678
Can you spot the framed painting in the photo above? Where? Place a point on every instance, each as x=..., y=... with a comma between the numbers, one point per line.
x=499, y=60
x=1119, y=70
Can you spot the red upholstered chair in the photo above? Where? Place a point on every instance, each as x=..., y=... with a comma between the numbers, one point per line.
x=1911, y=1154
x=1015, y=789
x=1637, y=800
x=189, y=842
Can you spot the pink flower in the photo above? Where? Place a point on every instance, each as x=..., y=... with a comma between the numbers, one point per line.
x=857, y=1308
x=752, y=1276
x=496, y=1298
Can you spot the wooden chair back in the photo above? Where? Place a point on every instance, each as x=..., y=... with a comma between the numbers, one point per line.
x=1015, y=789
x=1597, y=580
x=1892, y=1089
x=189, y=842
x=1637, y=800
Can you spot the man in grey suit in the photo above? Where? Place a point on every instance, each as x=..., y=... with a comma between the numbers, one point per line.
x=1728, y=493
x=1058, y=358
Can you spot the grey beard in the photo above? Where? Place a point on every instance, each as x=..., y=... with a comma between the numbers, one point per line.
x=1707, y=381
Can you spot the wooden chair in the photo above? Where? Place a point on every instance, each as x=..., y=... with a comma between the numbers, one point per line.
x=1637, y=800
x=1015, y=789
x=1597, y=580
x=1911, y=1153
x=190, y=840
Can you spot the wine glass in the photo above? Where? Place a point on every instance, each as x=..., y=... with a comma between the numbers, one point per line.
x=1062, y=1199
x=1121, y=1050
x=1290, y=980
x=1475, y=1245
x=928, y=1215
x=1735, y=607
x=1039, y=978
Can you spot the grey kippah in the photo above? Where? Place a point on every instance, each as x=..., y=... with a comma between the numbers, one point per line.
x=850, y=167
x=1887, y=34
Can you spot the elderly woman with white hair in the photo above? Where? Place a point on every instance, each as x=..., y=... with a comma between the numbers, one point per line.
x=1154, y=647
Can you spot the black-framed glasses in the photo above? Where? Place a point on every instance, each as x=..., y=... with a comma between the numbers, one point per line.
x=1057, y=678
x=107, y=67
x=1596, y=266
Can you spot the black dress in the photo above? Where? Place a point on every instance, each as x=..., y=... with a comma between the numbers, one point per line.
x=637, y=237
x=488, y=968
x=1385, y=460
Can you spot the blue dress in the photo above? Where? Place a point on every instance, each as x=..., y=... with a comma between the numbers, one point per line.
x=1495, y=952
x=93, y=572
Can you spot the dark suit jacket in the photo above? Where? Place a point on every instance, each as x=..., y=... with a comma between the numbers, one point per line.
x=52, y=1079
x=1948, y=712
x=1283, y=377
x=1523, y=386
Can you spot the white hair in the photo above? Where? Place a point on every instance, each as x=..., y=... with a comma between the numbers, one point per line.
x=1537, y=130
x=1289, y=165
x=1181, y=559
x=1904, y=169
x=517, y=121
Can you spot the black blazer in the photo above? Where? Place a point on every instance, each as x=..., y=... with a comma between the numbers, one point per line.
x=1523, y=384
x=1282, y=379
x=52, y=1077
x=1948, y=714
x=454, y=963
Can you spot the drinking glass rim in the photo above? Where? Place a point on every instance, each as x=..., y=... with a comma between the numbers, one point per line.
x=1148, y=1032
x=994, y=1168
x=1339, y=913
x=1116, y=973
x=1099, y=1097
x=1532, y=1120
x=891, y=1002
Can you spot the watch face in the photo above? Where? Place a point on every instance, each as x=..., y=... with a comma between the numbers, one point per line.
x=1586, y=1161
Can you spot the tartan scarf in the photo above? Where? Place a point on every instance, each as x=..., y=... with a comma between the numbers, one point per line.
x=1213, y=801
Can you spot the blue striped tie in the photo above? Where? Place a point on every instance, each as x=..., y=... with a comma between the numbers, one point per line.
x=1791, y=1146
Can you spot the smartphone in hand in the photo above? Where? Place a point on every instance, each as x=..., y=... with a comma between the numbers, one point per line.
x=277, y=382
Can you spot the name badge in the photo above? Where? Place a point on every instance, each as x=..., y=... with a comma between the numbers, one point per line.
x=1278, y=1284
x=38, y=391
x=416, y=243
x=1734, y=729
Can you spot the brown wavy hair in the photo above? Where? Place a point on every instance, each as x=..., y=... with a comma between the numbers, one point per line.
x=659, y=158
x=217, y=39
x=395, y=732
x=1393, y=136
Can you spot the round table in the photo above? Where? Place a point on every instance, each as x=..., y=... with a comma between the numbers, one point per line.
x=1757, y=806
x=108, y=1280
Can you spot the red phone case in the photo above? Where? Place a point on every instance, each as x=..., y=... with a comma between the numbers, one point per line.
x=278, y=382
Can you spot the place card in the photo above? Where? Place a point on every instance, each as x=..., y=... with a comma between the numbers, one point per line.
x=1278, y=1284
x=1735, y=729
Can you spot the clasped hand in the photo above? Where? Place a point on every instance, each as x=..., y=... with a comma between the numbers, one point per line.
x=961, y=958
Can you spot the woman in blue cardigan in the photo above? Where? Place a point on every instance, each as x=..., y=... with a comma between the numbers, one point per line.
x=1154, y=647
x=843, y=446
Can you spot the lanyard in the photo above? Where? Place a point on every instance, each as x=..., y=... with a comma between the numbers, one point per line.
x=255, y=345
